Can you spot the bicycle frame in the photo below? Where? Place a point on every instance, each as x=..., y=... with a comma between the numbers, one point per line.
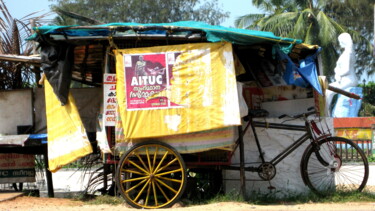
x=287, y=151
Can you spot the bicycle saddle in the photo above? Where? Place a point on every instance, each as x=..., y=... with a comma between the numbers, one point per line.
x=257, y=113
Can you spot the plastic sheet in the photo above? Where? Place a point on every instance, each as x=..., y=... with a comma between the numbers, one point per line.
x=67, y=140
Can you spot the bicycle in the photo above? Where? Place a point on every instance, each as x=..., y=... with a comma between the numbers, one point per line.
x=325, y=169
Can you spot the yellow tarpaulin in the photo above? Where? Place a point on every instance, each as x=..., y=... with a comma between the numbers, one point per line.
x=67, y=140
x=176, y=89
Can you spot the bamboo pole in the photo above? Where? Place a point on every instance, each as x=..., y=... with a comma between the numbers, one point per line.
x=17, y=58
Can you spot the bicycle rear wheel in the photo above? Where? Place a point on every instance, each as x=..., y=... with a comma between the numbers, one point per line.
x=336, y=165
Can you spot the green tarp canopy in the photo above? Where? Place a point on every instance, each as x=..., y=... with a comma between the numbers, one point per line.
x=212, y=33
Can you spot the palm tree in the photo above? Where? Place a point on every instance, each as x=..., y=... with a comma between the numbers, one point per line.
x=302, y=19
x=13, y=33
x=262, y=21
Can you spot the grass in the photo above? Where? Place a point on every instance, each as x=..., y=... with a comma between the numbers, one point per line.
x=267, y=199
x=258, y=199
x=312, y=198
x=229, y=197
x=102, y=199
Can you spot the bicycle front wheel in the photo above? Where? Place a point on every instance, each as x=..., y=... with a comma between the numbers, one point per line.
x=335, y=165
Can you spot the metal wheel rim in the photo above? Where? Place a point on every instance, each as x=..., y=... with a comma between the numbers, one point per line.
x=346, y=177
x=146, y=176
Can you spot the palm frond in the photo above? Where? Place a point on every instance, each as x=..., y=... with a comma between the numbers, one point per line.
x=77, y=16
x=281, y=24
x=13, y=33
x=5, y=12
x=361, y=40
x=309, y=36
x=329, y=57
x=16, y=40
x=328, y=29
x=301, y=25
x=247, y=20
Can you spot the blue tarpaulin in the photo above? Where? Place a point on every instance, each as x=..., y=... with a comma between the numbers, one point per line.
x=307, y=70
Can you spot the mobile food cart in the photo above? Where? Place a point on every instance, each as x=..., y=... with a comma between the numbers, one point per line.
x=170, y=97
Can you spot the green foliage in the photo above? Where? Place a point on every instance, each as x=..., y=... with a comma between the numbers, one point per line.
x=371, y=159
x=320, y=23
x=368, y=102
x=233, y=196
x=366, y=110
x=369, y=92
x=104, y=199
x=141, y=11
x=203, y=184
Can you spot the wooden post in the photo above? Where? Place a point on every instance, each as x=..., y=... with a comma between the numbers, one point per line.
x=51, y=194
x=105, y=176
x=242, y=163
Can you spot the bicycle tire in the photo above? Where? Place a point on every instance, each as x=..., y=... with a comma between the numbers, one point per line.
x=347, y=171
x=151, y=174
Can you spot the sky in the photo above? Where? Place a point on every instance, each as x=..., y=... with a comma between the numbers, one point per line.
x=21, y=8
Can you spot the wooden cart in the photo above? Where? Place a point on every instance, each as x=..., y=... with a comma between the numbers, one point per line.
x=152, y=173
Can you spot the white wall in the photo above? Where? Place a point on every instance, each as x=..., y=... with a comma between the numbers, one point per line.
x=290, y=107
x=287, y=181
x=15, y=109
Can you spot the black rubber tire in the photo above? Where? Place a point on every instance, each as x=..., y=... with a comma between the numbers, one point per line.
x=165, y=196
x=350, y=174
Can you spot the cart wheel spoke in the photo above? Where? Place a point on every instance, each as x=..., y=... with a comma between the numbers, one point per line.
x=148, y=193
x=162, y=191
x=155, y=195
x=169, y=172
x=161, y=161
x=167, y=186
x=143, y=164
x=132, y=171
x=135, y=179
x=155, y=156
x=137, y=166
x=140, y=192
x=169, y=179
x=168, y=164
x=136, y=186
x=148, y=159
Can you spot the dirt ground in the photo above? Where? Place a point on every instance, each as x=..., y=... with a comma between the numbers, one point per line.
x=52, y=204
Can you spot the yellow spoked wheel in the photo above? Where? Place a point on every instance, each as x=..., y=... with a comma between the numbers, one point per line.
x=151, y=175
